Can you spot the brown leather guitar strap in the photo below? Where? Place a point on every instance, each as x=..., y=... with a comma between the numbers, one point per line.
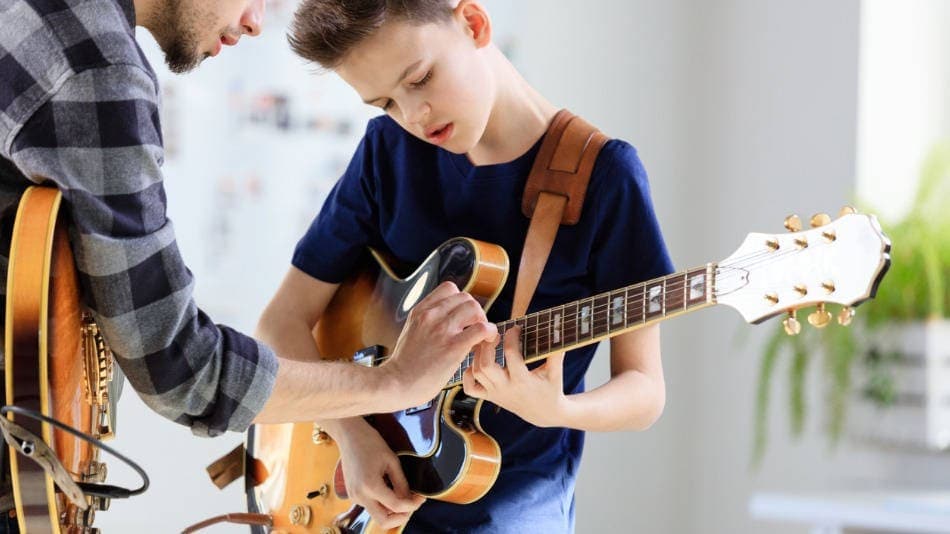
x=554, y=195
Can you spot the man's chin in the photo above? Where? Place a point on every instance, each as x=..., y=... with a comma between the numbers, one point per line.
x=181, y=58
x=182, y=66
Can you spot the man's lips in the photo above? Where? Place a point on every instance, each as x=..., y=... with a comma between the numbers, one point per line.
x=224, y=40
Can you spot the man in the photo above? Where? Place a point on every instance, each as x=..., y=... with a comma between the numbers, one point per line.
x=79, y=111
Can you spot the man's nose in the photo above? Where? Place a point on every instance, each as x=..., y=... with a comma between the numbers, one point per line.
x=253, y=17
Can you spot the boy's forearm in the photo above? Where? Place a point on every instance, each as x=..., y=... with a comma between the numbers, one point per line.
x=631, y=400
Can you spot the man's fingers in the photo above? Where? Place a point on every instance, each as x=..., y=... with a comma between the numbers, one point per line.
x=464, y=312
x=474, y=334
x=440, y=292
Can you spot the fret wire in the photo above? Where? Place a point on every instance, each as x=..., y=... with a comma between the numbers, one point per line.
x=643, y=318
x=535, y=335
x=663, y=298
x=590, y=318
x=550, y=338
x=525, y=342
x=626, y=297
x=685, y=290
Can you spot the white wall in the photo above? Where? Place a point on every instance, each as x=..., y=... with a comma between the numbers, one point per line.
x=743, y=111
x=904, y=84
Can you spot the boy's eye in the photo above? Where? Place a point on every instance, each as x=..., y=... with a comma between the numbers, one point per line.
x=425, y=79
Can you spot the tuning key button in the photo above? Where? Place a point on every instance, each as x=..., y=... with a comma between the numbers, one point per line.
x=845, y=315
x=791, y=324
x=793, y=223
x=847, y=210
x=828, y=286
x=819, y=219
x=820, y=317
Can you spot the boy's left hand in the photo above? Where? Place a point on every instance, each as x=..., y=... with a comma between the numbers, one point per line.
x=537, y=396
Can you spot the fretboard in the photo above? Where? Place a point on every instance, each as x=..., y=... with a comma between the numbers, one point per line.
x=605, y=315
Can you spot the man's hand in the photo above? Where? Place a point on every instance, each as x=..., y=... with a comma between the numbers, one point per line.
x=441, y=330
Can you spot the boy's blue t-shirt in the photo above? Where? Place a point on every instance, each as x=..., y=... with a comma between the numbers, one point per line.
x=405, y=197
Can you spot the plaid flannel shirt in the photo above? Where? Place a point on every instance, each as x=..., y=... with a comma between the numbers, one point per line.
x=79, y=109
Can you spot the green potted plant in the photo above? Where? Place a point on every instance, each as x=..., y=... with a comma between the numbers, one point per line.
x=916, y=291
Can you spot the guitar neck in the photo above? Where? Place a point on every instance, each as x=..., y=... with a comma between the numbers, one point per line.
x=592, y=319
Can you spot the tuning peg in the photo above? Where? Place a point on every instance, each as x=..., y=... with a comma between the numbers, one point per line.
x=791, y=324
x=793, y=223
x=845, y=315
x=819, y=219
x=846, y=210
x=820, y=317
x=319, y=435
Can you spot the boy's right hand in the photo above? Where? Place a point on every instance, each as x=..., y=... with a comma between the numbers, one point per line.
x=373, y=476
x=440, y=331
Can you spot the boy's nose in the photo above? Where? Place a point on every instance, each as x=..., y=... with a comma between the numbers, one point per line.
x=253, y=17
x=419, y=114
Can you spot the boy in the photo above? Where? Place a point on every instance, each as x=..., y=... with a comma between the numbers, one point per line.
x=450, y=158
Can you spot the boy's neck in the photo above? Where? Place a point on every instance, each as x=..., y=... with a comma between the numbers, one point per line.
x=519, y=117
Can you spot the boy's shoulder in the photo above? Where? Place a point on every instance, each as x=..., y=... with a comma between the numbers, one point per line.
x=618, y=158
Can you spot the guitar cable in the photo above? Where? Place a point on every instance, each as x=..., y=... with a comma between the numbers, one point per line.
x=28, y=447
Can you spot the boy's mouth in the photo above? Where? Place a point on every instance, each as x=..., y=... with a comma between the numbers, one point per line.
x=438, y=134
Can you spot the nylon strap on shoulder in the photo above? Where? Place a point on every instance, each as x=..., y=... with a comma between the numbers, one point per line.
x=554, y=195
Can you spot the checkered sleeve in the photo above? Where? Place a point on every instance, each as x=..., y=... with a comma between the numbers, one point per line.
x=99, y=139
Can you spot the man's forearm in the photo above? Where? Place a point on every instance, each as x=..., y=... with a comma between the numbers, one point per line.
x=307, y=391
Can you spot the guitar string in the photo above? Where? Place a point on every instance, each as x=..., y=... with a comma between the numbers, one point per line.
x=674, y=284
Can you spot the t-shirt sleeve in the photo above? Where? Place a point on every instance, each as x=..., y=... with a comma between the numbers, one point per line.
x=343, y=229
x=628, y=244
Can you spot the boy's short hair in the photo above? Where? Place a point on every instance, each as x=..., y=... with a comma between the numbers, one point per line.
x=324, y=31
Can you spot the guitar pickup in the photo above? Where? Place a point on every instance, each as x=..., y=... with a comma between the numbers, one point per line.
x=419, y=408
x=367, y=357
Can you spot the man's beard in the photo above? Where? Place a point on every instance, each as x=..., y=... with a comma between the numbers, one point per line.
x=178, y=38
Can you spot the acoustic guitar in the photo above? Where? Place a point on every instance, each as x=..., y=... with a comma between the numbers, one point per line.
x=56, y=364
x=293, y=470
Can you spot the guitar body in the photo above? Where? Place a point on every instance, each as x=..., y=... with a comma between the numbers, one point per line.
x=55, y=363
x=293, y=469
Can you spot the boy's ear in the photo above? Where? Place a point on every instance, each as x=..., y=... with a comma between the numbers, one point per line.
x=475, y=20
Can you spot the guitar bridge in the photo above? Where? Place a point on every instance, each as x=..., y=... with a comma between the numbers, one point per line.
x=99, y=372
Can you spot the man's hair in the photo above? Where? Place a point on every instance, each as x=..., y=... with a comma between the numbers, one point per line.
x=324, y=31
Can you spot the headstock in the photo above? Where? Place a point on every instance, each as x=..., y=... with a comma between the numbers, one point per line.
x=840, y=261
